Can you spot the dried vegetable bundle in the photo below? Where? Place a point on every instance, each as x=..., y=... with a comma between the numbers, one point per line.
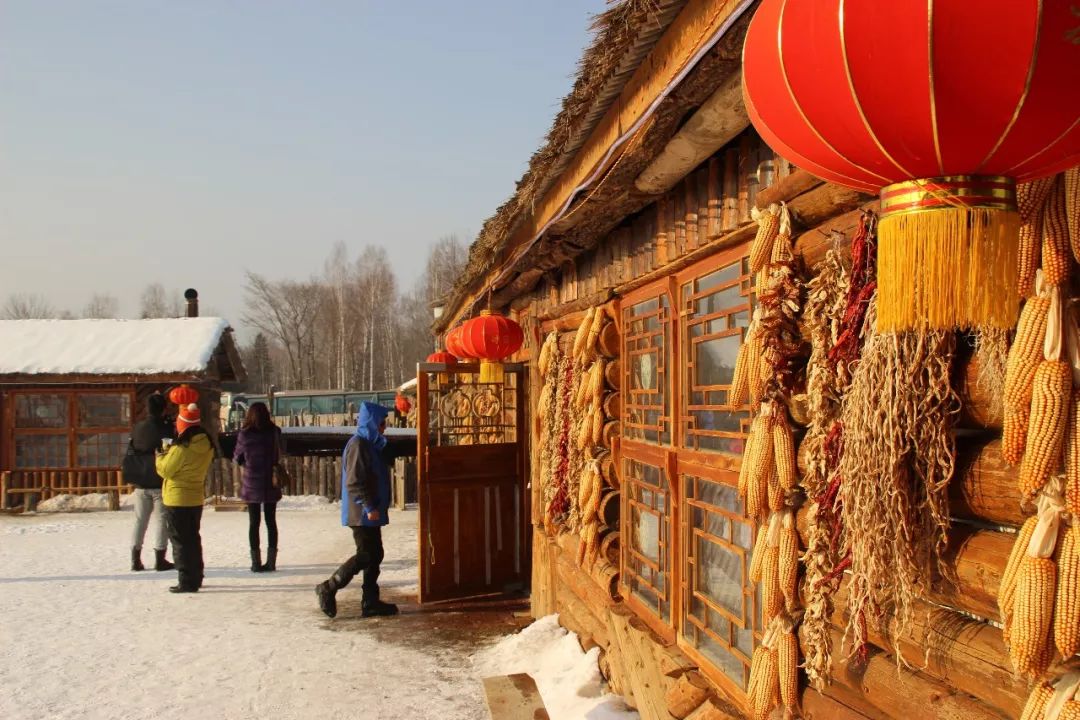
x=898, y=456
x=1059, y=700
x=588, y=409
x=766, y=373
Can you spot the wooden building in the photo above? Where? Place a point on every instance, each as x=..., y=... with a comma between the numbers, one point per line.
x=640, y=208
x=71, y=390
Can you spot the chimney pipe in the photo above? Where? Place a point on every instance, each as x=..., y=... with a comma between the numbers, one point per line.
x=192, y=297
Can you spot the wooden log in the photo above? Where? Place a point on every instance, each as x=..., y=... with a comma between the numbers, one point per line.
x=825, y=202
x=788, y=188
x=978, y=408
x=814, y=243
x=609, y=471
x=611, y=405
x=574, y=578
x=609, y=508
x=715, y=709
x=689, y=691
x=609, y=341
x=642, y=669
x=606, y=575
x=611, y=430
x=899, y=692
x=965, y=654
x=984, y=487
x=816, y=706
x=613, y=374
x=673, y=662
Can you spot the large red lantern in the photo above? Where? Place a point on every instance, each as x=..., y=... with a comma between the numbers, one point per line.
x=491, y=338
x=453, y=344
x=942, y=106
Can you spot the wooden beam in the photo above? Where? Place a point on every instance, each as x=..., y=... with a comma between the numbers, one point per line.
x=788, y=188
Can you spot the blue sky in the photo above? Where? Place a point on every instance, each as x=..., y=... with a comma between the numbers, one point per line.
x=186, y=142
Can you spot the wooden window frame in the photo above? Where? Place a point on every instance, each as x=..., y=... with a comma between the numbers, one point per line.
x=72, y=429
x=678, y=461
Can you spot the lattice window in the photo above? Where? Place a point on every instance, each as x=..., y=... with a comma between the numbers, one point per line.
x=647, y=551
x=73, y=429
x=645, y=365
x=721, y=610
x=465, y=411
x=715, y=310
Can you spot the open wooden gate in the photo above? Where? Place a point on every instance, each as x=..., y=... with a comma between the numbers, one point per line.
x=471, y=483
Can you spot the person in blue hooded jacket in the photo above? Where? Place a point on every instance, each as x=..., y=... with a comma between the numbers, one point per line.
x=365, y=502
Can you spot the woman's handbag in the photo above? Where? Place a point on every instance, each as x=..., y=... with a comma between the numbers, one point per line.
x=280, y=477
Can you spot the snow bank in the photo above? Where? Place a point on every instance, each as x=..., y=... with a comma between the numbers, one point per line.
x=69, y=503
x=103, y=347
x=568, y=679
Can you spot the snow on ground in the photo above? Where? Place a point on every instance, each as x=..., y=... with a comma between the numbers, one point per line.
x=568, y=679
x=83, y=637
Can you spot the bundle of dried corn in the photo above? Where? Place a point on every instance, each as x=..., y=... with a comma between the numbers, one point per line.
x=898, y=456
x=774, y=670
x=1031, y=200
x=557, y=425
x=1059, y=700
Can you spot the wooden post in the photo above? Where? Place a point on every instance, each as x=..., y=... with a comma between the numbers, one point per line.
x=730, y=192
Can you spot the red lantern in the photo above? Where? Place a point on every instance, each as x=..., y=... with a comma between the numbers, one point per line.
x=454, y=345
x=183, y=395
x=442, y=357
x=402, y=404
x=942, y=106
x=491, y=337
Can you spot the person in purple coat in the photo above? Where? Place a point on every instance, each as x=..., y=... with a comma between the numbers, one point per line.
x=257, y=452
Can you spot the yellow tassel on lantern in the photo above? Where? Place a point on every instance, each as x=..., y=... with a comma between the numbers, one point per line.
x=947, y=254
x=491, y=372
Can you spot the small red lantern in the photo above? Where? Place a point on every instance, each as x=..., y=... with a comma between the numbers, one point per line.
x=183, y=395
x=402, y=404
x=443, y=357
x=492, y=338
x=942, y=106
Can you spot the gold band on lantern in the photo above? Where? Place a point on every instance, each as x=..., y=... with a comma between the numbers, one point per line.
x=947, y=254
x=985, y=191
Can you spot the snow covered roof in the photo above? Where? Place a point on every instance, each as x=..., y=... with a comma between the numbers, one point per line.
x=109, y=347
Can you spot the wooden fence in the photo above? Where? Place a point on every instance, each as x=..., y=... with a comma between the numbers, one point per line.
x=307, y=476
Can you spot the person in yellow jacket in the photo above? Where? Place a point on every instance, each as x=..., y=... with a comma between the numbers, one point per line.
x=183, y=471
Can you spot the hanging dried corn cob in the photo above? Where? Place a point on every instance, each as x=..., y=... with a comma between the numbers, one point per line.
x=582, y=335
x=1072, y=428
x=1056, y=250
x=1032, y=618
x=1007, y=586
x=1051, y=393
x=1025, y=355
x=1030, y=200
x=1072, y=208
x=761, y=249
x=1067, y=604
x=1054, y=701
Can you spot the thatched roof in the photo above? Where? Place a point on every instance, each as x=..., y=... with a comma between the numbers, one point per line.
x=624, y=35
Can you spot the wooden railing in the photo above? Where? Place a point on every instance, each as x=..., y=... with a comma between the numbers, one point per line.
x=36, y=485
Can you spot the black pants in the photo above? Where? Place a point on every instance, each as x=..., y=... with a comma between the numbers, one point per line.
x=183, y=525
x=368, y=557
x=270, y=510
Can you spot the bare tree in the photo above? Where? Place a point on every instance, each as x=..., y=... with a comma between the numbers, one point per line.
x=286, y=311
x=155, y=302
x=102, y=306
x=27, y=306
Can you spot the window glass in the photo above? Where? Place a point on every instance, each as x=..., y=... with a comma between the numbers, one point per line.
x=328, y=404
x=104, y=410
x=41, y=411
x=646, y=411
x=101, y=450
x=647, y=555
x=41, y=451
x=291, y=405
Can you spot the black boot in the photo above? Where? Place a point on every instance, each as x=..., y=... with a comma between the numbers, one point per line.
x=256, y=560
x=372, y=606
x=327, y=594
x=271, y=560
x=183, y=589
x=160, y=563
x=136, y=560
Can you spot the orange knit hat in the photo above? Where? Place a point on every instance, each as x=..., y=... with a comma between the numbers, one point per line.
x=188, y=417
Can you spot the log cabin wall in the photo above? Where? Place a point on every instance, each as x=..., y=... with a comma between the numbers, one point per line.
x=957, y=662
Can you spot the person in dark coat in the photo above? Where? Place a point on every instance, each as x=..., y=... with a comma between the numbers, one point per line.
x=257, y=452
x=138, y=470
x=365, y=502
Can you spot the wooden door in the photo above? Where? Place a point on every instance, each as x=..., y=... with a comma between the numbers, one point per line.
x=471, y=483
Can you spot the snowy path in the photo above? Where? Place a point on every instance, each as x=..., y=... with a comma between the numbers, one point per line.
x=82, y=637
